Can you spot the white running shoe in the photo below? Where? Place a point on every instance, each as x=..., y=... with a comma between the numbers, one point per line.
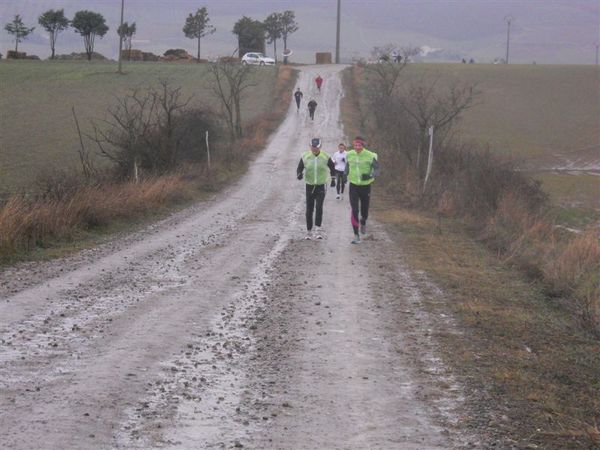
x=356, y=239
x=363, y=228
x=337, y=197
x=308, y=236
x=319, y=233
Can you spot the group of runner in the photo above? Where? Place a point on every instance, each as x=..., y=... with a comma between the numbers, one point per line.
x=359, y=166
x=312, y=104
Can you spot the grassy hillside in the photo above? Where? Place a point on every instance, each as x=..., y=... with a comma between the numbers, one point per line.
x=37, y=130
x=535, y=112
x=545, y=116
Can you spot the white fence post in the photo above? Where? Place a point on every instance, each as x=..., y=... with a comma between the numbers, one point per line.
x=207, y=151
x=430, y=158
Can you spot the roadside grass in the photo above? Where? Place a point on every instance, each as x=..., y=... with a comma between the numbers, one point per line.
x=530, y=372
x=37, y=131
x=41, y=229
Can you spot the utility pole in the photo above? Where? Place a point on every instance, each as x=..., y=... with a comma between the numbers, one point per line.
x=508, y=20
x=337, y=34
x=120, y=36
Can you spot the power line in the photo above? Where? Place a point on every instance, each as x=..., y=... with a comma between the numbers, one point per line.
x=337, y=34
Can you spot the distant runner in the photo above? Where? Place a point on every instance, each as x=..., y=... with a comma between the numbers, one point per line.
x=312, y=105
x=298, y=96
x=319, y=82
x=362, y=167
x=316, y=167
x=339, y=159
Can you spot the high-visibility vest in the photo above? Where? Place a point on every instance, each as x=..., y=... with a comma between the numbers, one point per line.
x=315, y=168
x=359, y=164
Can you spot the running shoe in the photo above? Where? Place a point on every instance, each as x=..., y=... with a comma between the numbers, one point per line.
x=337, y=197
x=356, y=239
x=363, y=228
x=308, y=236
x=319, y=233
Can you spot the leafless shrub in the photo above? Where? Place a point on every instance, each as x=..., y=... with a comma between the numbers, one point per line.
x=430, y=104
x=383, y=75
x=143, y=130
x=193, y=126
x=56, y=184
x=231, y=80
x=477, y=181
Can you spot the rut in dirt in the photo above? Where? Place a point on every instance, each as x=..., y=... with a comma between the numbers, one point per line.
x=220, y=327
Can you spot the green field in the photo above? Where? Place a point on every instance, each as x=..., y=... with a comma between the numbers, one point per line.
x=537, y=113
x=37, y=131
x=544, y=116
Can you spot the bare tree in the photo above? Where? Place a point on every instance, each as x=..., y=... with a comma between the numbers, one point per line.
x=440, y=107
x=384, y=76
x=141, y=131
x=87, y=163
x=231, y=81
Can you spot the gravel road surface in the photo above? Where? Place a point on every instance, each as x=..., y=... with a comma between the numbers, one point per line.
x=220, y=327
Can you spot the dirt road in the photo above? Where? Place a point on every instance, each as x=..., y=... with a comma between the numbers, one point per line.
x=221, y=327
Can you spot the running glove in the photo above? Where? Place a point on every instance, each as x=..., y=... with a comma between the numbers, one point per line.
x=332, y=182
x=299, y=176
x=366, y=176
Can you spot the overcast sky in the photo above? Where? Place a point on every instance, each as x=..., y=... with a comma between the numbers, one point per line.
x=547, y=31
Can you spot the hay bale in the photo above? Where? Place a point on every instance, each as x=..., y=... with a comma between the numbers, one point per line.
x=148, y=56
x=323, y=57
x=11, y=54
x=132, y=55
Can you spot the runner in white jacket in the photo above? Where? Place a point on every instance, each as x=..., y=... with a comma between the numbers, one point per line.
x=339, y=159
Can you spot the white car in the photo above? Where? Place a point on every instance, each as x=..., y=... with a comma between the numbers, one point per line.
x=257, y=58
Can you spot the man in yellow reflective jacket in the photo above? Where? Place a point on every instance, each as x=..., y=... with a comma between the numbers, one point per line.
x=362, y=167
x=316, y=167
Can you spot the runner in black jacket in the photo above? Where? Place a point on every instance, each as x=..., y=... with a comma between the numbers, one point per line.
x=298, y=96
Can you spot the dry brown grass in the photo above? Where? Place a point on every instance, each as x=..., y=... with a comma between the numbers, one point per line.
x=568, y=264
x=575, y=272
x=26, y=223
x=518, y=354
